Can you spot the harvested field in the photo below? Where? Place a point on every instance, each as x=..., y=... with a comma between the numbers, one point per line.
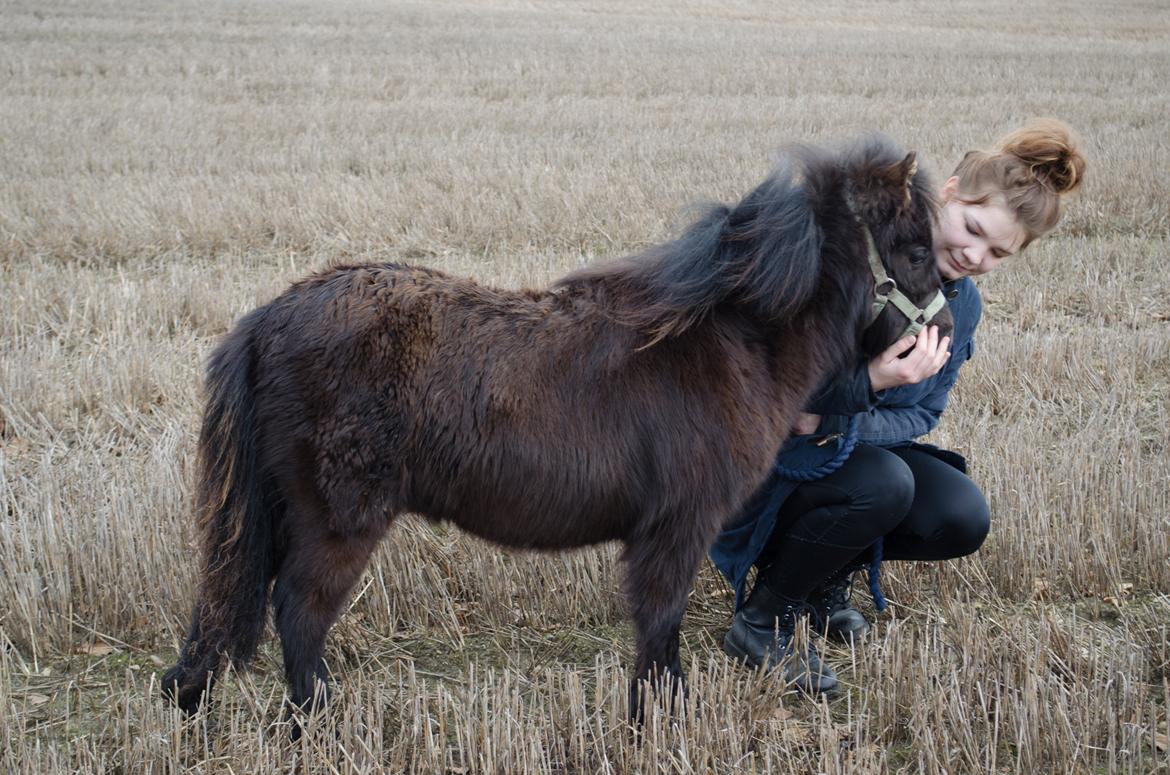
x=166, y=166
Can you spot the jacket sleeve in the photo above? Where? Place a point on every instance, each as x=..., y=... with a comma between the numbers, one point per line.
x=903, y=414
x=846, y=392
x=892, y=425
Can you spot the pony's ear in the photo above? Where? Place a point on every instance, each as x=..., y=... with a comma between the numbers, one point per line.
x=882, y=190
x=898, y=178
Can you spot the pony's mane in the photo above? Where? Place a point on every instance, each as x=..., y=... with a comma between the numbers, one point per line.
x=767, y=254
x=764, y=253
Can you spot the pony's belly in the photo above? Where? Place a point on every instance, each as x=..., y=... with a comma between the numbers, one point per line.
x=540, y=529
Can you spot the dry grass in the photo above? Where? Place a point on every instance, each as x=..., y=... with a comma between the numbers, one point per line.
x=165, y=167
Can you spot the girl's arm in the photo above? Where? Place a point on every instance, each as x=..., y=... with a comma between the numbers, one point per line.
x=892, y=425
x=902, y=414
x=910, y=360
x=846, y=392
x=906, y=362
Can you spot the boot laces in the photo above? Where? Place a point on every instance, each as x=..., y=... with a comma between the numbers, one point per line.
x=784, y=628
x=834, y=595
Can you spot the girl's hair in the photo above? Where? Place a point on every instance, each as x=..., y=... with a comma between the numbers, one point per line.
x=1032, y=168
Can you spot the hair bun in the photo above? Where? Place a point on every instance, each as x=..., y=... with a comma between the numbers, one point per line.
x=1049, y=148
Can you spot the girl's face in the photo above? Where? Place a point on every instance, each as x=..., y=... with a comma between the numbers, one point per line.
x=973, y=239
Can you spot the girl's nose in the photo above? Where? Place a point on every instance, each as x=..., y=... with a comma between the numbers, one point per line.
x=975, y=254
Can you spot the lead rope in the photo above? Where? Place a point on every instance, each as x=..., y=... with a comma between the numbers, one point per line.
x=874, y=572
x=820, y=472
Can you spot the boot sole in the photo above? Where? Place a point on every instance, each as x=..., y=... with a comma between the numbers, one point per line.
x=848, y=636
x=745, y=658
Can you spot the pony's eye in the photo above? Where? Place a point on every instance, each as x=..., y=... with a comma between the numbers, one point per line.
x=919, y=254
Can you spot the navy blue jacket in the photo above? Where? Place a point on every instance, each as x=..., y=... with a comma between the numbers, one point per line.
x=889, y=418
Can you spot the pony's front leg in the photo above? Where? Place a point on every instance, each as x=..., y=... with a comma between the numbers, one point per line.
x=660, y=570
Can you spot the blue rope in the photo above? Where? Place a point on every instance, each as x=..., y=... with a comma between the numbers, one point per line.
x=811, y=475
x=823, y=470
x=875, y=577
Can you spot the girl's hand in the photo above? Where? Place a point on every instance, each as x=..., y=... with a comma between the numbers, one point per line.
x=925, y=360
x=806, y=424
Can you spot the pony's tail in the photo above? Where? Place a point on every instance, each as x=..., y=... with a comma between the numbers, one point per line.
x=234, y=513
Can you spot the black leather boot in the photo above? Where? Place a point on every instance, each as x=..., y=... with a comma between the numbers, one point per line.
x=832, y=612
x=761, y=636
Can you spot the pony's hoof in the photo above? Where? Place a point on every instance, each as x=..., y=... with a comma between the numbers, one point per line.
x=180, y=690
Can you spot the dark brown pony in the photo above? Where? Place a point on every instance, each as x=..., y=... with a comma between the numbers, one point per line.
x=641, y=401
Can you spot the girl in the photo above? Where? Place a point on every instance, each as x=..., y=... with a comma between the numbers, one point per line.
x=806, y=538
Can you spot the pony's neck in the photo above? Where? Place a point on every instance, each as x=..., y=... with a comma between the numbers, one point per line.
x=826, y=333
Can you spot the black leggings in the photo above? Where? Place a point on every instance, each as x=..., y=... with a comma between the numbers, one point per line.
x=923, y=508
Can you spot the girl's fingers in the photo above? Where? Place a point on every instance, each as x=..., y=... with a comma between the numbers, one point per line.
x=909, y=366
x=910, y=363
x=931, y=354
x=944, y=353
x=924, y=356
x=928, y=341
x=897, y=348
x=913, y=353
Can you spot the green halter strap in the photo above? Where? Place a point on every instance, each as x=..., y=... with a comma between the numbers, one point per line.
x=886, y=291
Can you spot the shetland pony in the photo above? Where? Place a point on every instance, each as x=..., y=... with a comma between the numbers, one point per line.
x=641, y=401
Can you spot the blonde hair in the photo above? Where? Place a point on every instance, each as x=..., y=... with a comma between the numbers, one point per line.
x=1033, y=167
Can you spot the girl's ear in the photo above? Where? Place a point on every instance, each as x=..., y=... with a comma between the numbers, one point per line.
x=949, y=189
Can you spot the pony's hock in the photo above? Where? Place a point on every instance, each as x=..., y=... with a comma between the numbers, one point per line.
x=640, y=401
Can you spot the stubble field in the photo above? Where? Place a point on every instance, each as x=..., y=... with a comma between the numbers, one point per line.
x=164, y=167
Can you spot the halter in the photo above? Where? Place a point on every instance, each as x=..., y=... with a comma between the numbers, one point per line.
x=886, y=291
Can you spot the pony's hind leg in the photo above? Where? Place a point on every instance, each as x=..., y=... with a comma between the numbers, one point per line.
x=188, y=683
x=660, y=571
x=316, y=574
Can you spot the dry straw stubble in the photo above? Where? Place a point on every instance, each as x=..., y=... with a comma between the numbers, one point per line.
x=168, y=166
